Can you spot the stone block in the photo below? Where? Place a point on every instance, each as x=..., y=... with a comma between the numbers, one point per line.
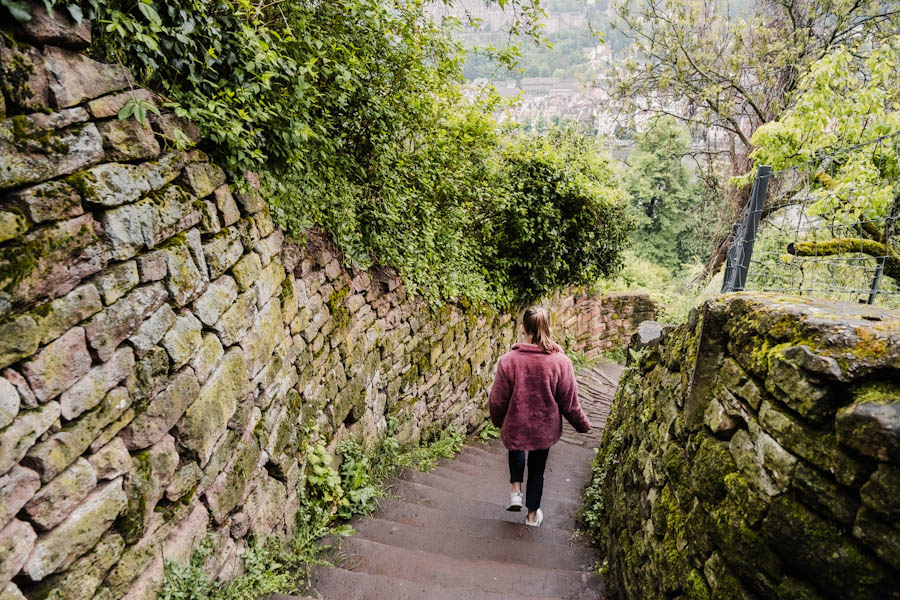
x=112, y=460
x=13, y=223
x=289, y=299
x=206, y=419
x=184, y=280
x=819, y=448
x=26, y=396
x=882, y=491
x=265, y=507
x=269, y=281
x=90, y=389
x=183, y=481
x=150, y=375
x=145, y=485
x=207, y=356
x=78, y=533
x=128, y=140
x=216, y=300
x=260, y=340
x=30, y=159
x=19, y=338
x=169, y=211
x=59, y=365
x=222, y=251
x=818, y=491
x=81, y=580
x=74, y=78
x=183, y=339
x=247, y=270
x=819, y=550
x=26, y=86
x=16, y=543
x=177, y=547
x=109, y=106
x=251, y=202
x=881, y=536
x=226, y=205
x=16, y=488
x=201, y=178
x=270, y=247
x=111, y=430
x=58, y=316
x=58, y=498
x=51, y=456
x=871, y=425
x=152, y=266
x=163, y=411
x=111, y=184
x=164, y=171
x=153, y=329
x=234, y=322
x=11, y=592
x=106, y=330
x=57, y=28
x=51, y=201
x=50, y=261
x=209, y=218
x=230, y=487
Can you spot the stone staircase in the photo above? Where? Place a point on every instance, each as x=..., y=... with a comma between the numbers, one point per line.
x=444, y=535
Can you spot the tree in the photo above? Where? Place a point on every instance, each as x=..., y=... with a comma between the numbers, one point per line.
x=847, y=99
x=666, y=204
x=726, y=70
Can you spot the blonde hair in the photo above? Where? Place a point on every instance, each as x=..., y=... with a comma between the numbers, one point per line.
x=536, y=321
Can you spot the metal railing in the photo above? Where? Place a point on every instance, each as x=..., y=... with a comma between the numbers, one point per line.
x=811, y=230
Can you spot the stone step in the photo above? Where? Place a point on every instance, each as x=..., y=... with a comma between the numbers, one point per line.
x=489, y=489
x=508, y=525
x=334, y=583
x=443, y=540
x=556, y=482
x=576, y=470
x=555, y=515
x=362, y=555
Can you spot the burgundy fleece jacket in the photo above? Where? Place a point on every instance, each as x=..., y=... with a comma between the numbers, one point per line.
x=532, y=391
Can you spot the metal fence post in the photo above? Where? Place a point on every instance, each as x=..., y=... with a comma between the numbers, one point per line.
x=741, y=251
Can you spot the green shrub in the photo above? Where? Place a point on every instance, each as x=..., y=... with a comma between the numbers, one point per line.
x=564, y=220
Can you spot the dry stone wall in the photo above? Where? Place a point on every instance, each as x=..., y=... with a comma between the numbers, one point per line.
x=754, y=452
x=587, y=323
x=163, y=347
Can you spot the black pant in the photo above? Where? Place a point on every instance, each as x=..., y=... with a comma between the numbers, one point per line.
x=537, y=460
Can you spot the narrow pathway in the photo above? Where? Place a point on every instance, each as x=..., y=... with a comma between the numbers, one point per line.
x=445, y=535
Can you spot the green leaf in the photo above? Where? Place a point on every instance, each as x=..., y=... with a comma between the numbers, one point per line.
x=19, y=10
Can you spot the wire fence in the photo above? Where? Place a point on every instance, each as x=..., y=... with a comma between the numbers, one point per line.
x=825, y=228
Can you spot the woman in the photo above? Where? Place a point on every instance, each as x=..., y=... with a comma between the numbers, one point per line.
x=533, y=389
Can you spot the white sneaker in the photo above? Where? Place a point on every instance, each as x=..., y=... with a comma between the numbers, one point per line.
x=515, y=502
x=539, y=518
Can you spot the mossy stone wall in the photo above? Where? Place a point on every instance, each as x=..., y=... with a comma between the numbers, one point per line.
x=754, y=452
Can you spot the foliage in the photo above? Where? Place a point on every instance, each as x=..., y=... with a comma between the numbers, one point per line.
x=666, y=203
x=489, y=432
x=726, y=69
x=562, y=220
x=615, y=354
x=847, y=98
x=351, y=113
